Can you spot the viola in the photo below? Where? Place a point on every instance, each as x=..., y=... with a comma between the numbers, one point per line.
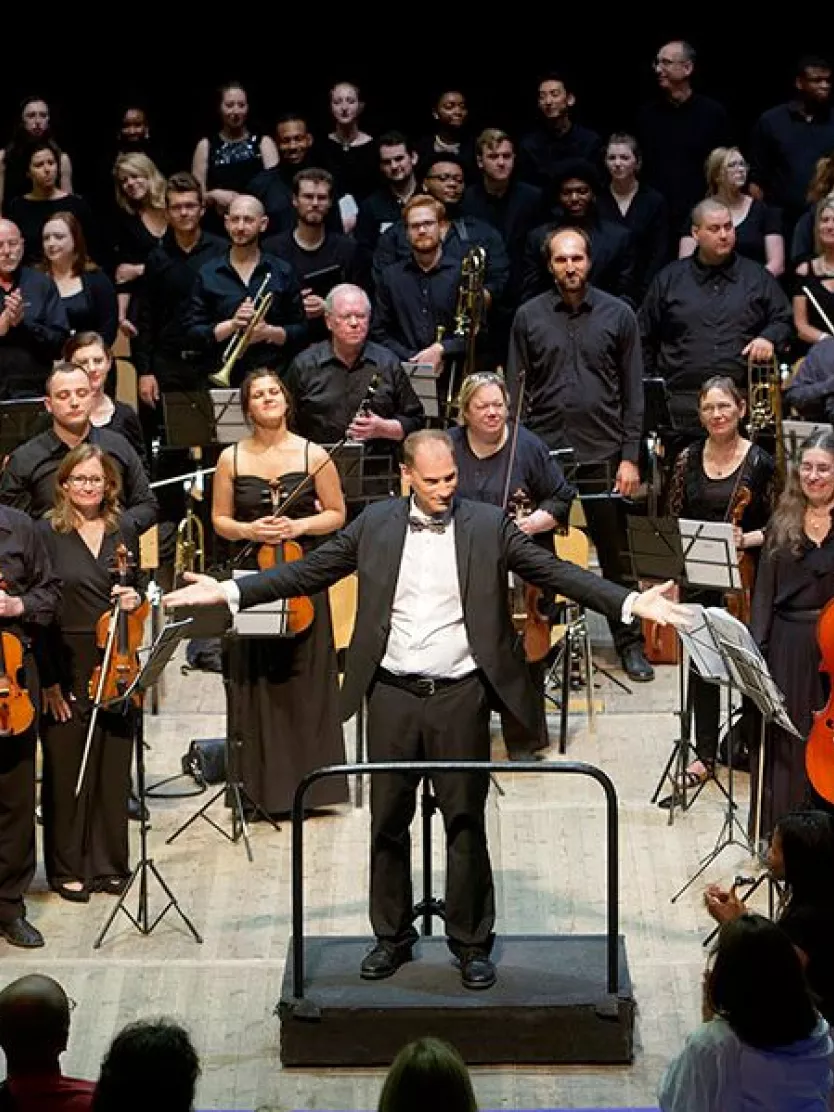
x=119, y=635
x=299, y=611
x=16, y=710
x=819, y=748
x=739, y=602
x=524, y=598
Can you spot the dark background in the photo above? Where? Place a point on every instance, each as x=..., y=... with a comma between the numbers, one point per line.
x=88, y=69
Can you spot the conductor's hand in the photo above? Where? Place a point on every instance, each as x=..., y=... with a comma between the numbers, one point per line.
x=55, y=703
x=654, y=605
x=628, y=479
x=759, y=350
x=202, y=590
x=723, y=904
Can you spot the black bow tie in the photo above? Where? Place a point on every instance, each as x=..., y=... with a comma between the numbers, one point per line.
x=417, y=525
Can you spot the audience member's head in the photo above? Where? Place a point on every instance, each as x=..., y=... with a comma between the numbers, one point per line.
x=151, y=1064
x=427, y=1074
x=802, y=854
x=34, y=1024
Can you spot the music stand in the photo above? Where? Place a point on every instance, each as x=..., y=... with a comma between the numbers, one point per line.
x=228, y=416
x=159, y=655
x=366, y=476
x=189, y=419
x=19, y=420
x=424, y=381
x=658, y=421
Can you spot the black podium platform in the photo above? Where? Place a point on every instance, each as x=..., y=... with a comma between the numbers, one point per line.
x=549, y=1005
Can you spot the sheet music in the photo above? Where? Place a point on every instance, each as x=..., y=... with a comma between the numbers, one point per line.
x=710, y=554
x=702, y=648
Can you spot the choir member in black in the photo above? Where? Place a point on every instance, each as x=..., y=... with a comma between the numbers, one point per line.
x=87, y=294
x=641, y=210
x=677, y=130
x=557, y=138
x=714, y=311
x=816, y=277
x=707, y=484
x=139, y=227
x=223, y=298
x=822, y=183
x=89, y=351
x=450, y=134
x=27, y=480
x=350, y=153
x=85, y=836
x=31, y=210
x=311, y=248
x=397, y=160
x=29, y=597
x=226, y=162
x=444, y=180
x=33, y=127
x=282, y=692
x=538, y=497
x=295, y=145
x=33, y=323
x=787, y=140
x=795, y=581
x=576, y=188
x=758, y=226
x=580, y=350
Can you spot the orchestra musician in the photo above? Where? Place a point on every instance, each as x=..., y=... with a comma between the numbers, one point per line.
x=85, y=838
x=433, y=647
x=223, y=299
x=535, y=492
x=722, y=478
x=282, y=693
x=795, y=580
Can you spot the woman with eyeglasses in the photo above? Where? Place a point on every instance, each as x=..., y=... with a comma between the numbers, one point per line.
x=537, y=495
x=85, y=838
x=758, y=226
x=795, y=581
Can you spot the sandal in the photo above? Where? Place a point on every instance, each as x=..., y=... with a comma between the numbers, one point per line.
x=74, y=895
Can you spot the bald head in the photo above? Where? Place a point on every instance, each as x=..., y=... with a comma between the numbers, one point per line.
x=245, y=220
x=11, y=247
x=34, y=1022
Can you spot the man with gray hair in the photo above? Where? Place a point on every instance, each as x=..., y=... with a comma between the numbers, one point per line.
x=710, y=314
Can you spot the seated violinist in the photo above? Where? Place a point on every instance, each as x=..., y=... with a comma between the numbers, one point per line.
x=85, y=838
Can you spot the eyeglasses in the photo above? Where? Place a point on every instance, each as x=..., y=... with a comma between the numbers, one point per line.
x=824, y=470
x=78, y=481
x=665, y=63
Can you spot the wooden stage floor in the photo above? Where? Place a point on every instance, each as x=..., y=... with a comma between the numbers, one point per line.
x=547, y=844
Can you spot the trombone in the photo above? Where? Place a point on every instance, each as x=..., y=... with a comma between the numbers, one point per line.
x=238, y=343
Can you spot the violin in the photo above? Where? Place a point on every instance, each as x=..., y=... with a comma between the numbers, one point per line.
x=119, y=635
x=819, y=748
x=524, y=598
x=739, y=602
x=299, y=612
x=16, y=710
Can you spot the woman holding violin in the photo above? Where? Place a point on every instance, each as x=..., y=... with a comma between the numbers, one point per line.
x=282, y=692
x=516, y=472
x=85, y=838
x=722, y=478
x=794, y=582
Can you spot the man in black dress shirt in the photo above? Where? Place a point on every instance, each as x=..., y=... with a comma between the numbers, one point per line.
x=556, y=138
x=580, y=351
x=33, y=324
x=320, y=259
x=677, y=131
x=27, y=481
x=223, y=300
x=709, y=315
x=787, y=140
x=378, y=212
x=576, y=187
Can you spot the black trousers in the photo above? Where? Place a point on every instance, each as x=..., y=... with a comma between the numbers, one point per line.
x=17, y=811
x=607, y=528
x=452, y=724
x=519, y=740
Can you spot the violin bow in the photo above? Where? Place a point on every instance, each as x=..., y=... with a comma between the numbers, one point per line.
x=505, y=497
x=105, y=664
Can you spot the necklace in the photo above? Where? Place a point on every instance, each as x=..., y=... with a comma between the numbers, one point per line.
x=725, y=463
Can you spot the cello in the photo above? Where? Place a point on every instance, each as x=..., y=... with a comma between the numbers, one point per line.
x=298, y=613
x=819, y=748
x=16, y=711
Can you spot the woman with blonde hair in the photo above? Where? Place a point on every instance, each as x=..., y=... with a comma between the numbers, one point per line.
x=813, y=300
x=140, y=224
x=758, y=226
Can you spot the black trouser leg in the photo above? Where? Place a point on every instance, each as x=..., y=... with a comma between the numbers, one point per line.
x=17, y=818
x=517, y=737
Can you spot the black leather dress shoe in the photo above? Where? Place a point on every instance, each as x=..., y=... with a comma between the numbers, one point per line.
x=384, y=960
x=477, y=971
x=635, y=665
x=20, y=932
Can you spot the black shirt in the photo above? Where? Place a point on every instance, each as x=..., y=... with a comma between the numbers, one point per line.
x=27, y=570
x=513, y=215
x=784, y=147
x=334, y=250
x=170, y=274
x=31, y=215
x=232, y=164
x=695, y=321
x=542, y=151
x=411, y=303
x=327, y=394
x=355, y=168
x=761, y=220
x=811, y=928
x=28, y=350
x=376, y=214
x=94, y=308
x=612, y=257
x=217, y=293
x=584, y=374
x=276, y=197
x=647, y=220
x=27, y=482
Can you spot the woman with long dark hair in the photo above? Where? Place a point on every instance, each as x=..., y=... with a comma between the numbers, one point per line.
x=34, y=125
x=427, y=1073
x=44, y=198
x=762, y=1045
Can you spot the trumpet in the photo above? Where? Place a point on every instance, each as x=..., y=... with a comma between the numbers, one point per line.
x=238, y=344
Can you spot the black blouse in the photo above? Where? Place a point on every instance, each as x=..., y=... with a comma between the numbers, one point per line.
x=31, y=216
x=233, y=163
x=693, y=494
x=94, y=308
x=647, y=219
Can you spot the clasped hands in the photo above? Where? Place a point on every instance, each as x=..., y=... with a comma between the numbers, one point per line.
x=274, y=530
x=12, y=314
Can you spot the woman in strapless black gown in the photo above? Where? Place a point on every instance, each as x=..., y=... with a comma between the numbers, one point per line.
x=282, y=692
